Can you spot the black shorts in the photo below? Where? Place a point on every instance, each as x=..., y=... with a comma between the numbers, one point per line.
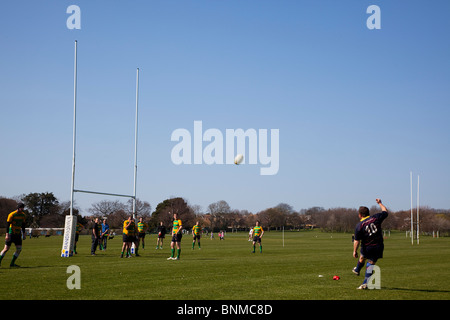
x=196, y=236
x=257, y=239
x=14, y=238
x=141, y=235
x=177, y=237
x=161, y=236
x=127, y=238
x=76, y=237
x=372, y=253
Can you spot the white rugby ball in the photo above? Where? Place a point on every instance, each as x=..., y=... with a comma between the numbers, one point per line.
x=239, y=158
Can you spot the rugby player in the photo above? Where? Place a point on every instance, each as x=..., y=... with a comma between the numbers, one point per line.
x=129, y=230
x=142, y=229
x=369, y=236
x=196, y=233
x=176, y=237
x=257, y=235
x=15, y=233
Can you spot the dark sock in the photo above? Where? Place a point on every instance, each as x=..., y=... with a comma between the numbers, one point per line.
x=359, y=265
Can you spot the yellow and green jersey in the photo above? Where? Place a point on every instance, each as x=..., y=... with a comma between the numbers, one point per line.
x=257, y=231
x=196, y=230
x=131, y=229
x=16, y=221
x=142, y=227
x=78, y=228
x=176, y=226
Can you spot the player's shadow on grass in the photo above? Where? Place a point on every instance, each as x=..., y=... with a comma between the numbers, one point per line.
x=418, y=290
x=28, y=267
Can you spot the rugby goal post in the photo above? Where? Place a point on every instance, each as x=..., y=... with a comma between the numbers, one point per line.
x=71, y=220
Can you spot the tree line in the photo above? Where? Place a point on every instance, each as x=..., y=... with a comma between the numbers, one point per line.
x=45, y=210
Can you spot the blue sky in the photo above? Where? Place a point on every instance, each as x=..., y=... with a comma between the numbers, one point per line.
x=357, y=109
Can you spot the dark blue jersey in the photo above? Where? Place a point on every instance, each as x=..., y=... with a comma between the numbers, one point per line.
x=369, y=232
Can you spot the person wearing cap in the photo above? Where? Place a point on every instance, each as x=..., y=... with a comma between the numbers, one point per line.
x=15, y=233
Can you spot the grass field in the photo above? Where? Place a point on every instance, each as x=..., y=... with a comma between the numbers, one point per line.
x=227, y=270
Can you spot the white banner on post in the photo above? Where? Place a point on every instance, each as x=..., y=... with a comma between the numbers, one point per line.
x=69, y=236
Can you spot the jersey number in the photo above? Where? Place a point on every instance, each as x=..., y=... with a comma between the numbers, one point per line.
x=371, y=229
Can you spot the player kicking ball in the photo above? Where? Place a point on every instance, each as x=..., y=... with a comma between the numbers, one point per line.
x=369, y=236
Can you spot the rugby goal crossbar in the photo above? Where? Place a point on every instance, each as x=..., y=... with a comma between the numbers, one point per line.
x=106, y=194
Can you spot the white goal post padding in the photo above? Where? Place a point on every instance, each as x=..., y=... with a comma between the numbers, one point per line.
x=69, y=236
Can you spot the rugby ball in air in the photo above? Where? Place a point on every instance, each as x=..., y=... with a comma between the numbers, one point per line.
x=239, y=158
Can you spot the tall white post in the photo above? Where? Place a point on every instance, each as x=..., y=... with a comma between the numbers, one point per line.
x=74, y=127
x=136, y=143
x=417, y=209
x=71, y=220
x=412, y=220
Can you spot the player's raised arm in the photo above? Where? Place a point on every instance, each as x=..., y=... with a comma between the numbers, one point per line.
x=383, y=208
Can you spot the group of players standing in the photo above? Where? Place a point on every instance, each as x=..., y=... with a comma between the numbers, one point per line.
x=134, y=234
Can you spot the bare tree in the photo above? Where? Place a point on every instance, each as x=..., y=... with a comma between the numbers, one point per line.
x=272, y=217
x=219, y=212
x=106, y=207
x=143, y=208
